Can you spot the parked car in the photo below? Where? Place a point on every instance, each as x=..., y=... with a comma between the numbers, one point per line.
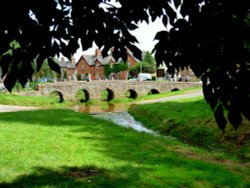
x=45, y=80
x=144, y=76
x=2, y=87
x=133, y=79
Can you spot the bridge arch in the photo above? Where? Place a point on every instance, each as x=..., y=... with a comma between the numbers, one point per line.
x=154, y=91
x=108, y=94
x=57, y=94
x=82, y=95
x=132, y=94
x=175, y=89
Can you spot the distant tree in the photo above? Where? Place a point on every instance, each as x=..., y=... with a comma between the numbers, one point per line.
x=45, y=71
x=148, y=57
x=210, y=36
x=65, y=75
x=116, y=68
x=147, y=65
x=107, y=70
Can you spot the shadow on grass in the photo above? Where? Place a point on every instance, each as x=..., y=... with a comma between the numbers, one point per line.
x=86, y=176
x=55, y=117
x=145, y=155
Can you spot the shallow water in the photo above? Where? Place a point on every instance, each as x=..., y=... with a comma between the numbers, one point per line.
x=117, y=113
x=95, y=109
x=124, y=119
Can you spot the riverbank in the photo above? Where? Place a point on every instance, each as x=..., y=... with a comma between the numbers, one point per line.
x=69, y=149
x=192, y=121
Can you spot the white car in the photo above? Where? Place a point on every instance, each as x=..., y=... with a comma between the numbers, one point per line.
x=144, y=76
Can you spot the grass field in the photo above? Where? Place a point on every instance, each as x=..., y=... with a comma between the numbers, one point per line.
x=63, y=148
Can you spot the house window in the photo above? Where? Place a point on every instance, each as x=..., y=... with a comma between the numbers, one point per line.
x=83, y=67
x=97, y=76
x=98, y=66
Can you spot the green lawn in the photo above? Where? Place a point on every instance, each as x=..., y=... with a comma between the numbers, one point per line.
x=63, y=148
x=38, y=101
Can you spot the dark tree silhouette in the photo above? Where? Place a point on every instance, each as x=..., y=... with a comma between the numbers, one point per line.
x=214, y=41
x=212, y=37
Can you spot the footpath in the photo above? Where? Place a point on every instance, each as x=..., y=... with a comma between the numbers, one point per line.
x=11, y=108
x=172, y=98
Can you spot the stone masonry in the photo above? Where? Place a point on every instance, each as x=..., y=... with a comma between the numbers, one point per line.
x=94, y=89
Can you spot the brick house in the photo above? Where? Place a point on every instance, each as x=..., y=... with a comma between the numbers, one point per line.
x=68, y=69
x=92, y=67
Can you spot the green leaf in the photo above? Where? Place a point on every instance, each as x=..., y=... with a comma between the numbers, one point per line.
x=40, y=61
x=220, y=118
x=53, y=65
x=10, y=80
x=235, y=118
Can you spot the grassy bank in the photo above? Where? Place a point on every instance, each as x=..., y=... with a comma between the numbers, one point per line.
x=192, y=121
x=37, y=101
x=158, y=96
x=62, y=148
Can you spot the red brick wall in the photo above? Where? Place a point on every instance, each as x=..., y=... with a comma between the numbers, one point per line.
x=131, y=60
x=84, y=68
x=70, y=73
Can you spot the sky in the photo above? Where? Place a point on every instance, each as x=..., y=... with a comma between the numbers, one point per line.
x=145, y=35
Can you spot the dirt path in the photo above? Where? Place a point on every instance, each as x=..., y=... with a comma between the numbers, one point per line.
x=172, y=98
x=11, y=108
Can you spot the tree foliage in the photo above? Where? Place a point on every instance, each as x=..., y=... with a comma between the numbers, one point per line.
x=211, y=36
x=116, y=68
x=147, y=65
x=214, y=41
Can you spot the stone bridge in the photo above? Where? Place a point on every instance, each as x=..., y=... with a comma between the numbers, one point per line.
x=113, y=89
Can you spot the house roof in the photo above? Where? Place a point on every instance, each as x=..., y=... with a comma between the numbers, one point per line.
x=107, y=59
x=64, y=64
x=91, y=60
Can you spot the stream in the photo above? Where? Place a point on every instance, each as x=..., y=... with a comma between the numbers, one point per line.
x=124, y=119
x=117, y=113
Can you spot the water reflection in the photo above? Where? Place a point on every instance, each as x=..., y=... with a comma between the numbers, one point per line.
x=116, y=113
x=106, y=107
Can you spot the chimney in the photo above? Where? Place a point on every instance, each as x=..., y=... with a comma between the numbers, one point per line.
x=62, y=60
x=98, y=53
x=112, y=50
x=72, y=59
